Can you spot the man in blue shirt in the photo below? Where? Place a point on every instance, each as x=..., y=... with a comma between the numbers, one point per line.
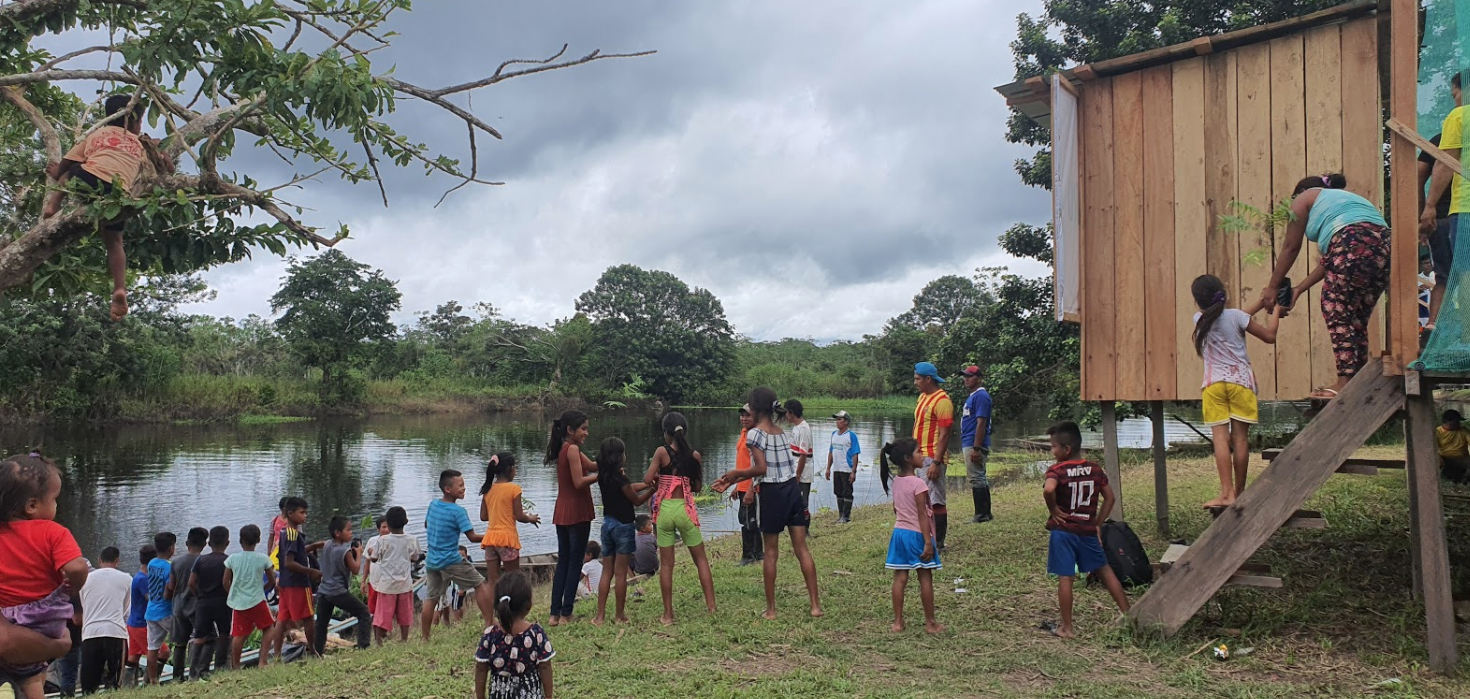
x=975, y=436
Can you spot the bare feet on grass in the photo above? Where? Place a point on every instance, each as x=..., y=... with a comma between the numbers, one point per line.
x=620, y=620
x=770, y=614
x=933, y=627
x=817, y=610
x=666, y=620
x=897, y=627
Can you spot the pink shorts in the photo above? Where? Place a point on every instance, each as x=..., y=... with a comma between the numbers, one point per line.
x=391, y=607
x=504, y=553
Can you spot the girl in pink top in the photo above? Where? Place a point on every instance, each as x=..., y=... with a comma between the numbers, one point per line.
x=911, y=547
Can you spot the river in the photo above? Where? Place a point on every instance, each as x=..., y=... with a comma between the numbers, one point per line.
x=123, y=483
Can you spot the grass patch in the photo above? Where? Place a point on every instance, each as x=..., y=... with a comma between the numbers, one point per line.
x=1343, y=623
x=270, y=419
x=827, y=405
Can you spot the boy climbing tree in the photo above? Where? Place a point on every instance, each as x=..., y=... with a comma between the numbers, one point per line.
x=109, y=156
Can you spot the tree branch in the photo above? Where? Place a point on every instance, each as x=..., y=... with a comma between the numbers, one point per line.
x=26, y=10
x=46, y=76
x=48, y=65
x=16, y=96
x=541, y=67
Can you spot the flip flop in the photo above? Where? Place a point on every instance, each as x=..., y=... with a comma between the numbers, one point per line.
x=1049, y=627
x=1314, y=396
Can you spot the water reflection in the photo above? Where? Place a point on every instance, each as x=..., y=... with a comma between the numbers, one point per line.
x=123, y=483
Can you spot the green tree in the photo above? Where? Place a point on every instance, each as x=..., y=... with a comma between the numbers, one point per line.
x=940, y=303
x=650, y=324
x=219, y=78
x=331, y=307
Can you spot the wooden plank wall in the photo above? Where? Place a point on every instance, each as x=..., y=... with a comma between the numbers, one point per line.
x=1165, y=152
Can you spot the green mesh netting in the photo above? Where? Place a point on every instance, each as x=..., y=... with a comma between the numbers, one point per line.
x=1446, y=37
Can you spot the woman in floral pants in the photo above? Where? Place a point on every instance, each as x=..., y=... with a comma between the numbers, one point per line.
x=1354, y=240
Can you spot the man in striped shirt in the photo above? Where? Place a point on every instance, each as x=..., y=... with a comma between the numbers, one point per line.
x=933, y=422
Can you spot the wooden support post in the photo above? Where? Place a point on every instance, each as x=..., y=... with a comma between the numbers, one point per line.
x=1161, y=473
x=1403, y=297
x=1110, y=457
x=1427, y=532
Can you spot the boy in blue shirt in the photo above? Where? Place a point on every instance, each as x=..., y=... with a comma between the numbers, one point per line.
x=443, y=524
x=160, y=612
x=137, y=621
x=975, y=436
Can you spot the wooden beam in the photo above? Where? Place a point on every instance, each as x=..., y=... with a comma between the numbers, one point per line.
x=1110, y=457
x=1427, y=529
x=1248, y=575
x=1301, y=519
x=1161, y=469
x=1272, y=454
x=1367, y=402
x=1228, y=40
x=1203, y=46
x=1403, y=292
x=1423, y=144
x=1191, y=217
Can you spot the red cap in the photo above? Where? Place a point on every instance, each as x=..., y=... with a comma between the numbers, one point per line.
x=971, y=370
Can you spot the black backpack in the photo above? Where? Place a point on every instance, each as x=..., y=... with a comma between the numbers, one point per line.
x=1126, y=555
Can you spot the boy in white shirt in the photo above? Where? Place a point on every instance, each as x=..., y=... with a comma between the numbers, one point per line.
x=801, y=448
x=106, y=601
x=591, y=570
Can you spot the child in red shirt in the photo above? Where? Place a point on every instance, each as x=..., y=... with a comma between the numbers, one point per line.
x=1079, y=497
x=41, y=566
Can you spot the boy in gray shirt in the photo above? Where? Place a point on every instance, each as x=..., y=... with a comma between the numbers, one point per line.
x=341, y=559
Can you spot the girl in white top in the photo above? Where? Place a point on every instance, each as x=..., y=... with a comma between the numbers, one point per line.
x=1229, y=396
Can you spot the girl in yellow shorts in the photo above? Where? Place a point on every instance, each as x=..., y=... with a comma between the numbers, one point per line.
x=1230, y=384
x=676, y=474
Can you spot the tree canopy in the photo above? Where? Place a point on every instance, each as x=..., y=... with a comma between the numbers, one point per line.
x=332, y=306
x=649, y=324
x=292, y=79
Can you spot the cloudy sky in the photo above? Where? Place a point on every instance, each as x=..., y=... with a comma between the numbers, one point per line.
x=814, y=164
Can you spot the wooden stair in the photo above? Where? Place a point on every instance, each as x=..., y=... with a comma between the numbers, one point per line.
x=1364, y=405
x=1356, y=466
x=1301, y=519
x=1247, y=575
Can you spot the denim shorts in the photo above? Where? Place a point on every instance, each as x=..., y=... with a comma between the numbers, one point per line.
x=618, y=538
x=1070, y=554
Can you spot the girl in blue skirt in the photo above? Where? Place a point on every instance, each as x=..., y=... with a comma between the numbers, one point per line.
x=912, y=545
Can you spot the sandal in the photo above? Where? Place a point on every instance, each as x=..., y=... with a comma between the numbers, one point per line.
x=1323, y=394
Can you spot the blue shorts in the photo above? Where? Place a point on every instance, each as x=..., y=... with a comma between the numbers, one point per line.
x=1069, y=554
x=904, y=549
x=618, y=538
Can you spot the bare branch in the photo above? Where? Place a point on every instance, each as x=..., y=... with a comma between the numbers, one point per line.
x=474, y=168
x=202, y=126
x=46, y=76
x=16, y=96
x=446, y=105
x=541, y=67
x=48, y=65
x=377, y=176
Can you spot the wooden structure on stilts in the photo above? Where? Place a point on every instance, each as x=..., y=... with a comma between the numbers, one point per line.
x=1149, y=152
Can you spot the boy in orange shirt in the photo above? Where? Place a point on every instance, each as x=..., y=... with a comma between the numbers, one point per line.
x=752, y=549
x=110, y=154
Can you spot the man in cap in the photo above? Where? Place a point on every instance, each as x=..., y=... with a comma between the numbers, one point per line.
x=933, y=422
x=842, y=457
x=975, y=438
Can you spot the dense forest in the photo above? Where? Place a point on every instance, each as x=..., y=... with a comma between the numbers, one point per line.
x=637, y=336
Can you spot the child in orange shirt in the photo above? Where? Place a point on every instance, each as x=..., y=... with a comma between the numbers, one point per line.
x=111, y=154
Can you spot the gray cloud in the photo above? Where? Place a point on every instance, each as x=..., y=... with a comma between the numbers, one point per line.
x=814, y=164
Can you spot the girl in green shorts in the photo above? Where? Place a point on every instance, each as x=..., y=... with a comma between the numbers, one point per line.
x=676, y=474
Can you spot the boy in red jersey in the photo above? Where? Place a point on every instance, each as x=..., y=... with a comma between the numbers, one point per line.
x=1078, y=497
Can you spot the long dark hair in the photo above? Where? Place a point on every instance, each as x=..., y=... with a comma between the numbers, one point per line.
x=22, y=478
x=1334, y=180
x=512, y=599
x=569, y=420
x=898, y=451
x=611, y=457
x=1209, y=295
x=501, y=462
x=681, y=457
x=763, y=401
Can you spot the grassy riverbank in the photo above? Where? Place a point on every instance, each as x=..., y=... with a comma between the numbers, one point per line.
x=1343, y=625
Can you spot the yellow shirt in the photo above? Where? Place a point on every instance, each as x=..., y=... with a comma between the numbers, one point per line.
x=501, y=503
x=1453, y=136
x=933, y=412
x=1453, y=443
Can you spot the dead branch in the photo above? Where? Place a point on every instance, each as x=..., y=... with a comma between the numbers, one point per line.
x=46, y=76
x=48, y=65
x=541, y=67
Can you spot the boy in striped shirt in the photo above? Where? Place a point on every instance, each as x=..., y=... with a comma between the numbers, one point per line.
x=1078, y=497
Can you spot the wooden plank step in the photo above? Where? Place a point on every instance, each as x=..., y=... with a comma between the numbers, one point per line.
x=1354, y=466
x=1247, y=575
x=1326, y=443
x=1301, y=519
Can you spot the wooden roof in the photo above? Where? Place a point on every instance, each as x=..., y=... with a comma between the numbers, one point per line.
x=1032, y=96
